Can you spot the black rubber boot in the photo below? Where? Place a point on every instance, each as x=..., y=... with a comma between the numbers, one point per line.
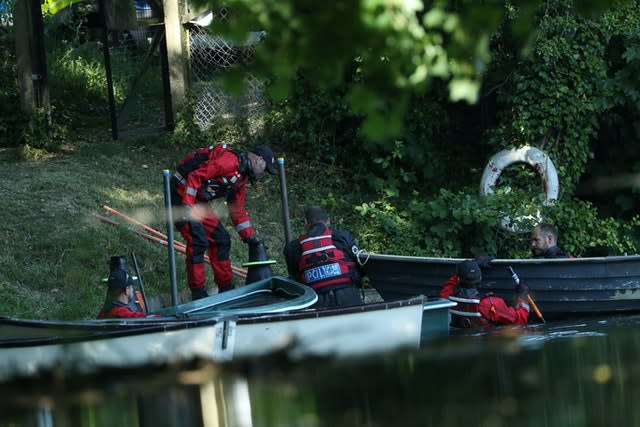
x=199, y=293
x=258, y=272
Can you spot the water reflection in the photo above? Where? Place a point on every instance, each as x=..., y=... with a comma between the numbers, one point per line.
x=561, y=374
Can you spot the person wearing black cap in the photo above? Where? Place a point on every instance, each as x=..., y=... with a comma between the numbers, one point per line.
x=205, y=174
x=474, y=310
x=119, y=296
x=326, y=260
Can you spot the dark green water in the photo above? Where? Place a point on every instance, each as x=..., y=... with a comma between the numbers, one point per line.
x=578, y=373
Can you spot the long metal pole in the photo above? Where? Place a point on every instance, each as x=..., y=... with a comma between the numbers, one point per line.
x=172, y=254
x=285, y=201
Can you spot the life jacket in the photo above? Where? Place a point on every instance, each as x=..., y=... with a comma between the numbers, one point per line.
x=216, y=187
x=322, y=264
x=116, y=309
x=467, y=314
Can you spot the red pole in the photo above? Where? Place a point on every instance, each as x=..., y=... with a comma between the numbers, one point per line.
x=160, y=238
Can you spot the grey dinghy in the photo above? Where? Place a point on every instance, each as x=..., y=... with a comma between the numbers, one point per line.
x=561, y=287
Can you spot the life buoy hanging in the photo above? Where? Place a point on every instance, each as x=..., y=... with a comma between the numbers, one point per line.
x=527, y=154
x=530, y=155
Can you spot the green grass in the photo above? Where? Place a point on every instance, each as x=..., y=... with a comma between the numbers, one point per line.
x=54, y=251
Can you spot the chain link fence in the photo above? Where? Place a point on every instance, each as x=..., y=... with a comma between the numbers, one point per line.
x=211, y=56
x=136, y=65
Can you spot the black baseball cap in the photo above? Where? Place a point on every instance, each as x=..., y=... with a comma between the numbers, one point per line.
x=469, y=273
x=265, y=152
x=119, y=279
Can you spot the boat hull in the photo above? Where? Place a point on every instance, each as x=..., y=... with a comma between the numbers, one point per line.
x=30, y=347
x=343, y=331
x=561, y=287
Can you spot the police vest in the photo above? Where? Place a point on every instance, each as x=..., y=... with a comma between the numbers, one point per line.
x=466, y=313
x=217, y=187
x=322, y=264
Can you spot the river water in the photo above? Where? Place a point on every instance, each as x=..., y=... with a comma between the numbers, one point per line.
x=572, y=373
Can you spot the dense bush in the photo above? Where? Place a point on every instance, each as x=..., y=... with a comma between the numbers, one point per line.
x=553, y=99
x=465, y=224
x=316, y=123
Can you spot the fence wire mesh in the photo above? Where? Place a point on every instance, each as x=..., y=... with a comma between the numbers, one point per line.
x=137, y=70
x=137, y=66
x=211, y=55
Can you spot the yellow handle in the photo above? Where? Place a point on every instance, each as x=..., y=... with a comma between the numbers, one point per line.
x=535, y=307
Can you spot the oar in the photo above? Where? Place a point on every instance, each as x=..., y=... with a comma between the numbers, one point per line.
x=134, y=221
x=516, y=279
x=179, y=246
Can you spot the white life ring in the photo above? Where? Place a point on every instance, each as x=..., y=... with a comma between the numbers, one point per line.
x=530, y=155
x=527, y=154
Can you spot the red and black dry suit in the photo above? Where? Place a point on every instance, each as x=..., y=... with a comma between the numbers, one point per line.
x=325, y=260
x=203, y=175
x=481, y=311
x=116, y=309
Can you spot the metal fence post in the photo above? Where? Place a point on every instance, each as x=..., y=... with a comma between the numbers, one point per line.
x=172, y=254
x=285, y=201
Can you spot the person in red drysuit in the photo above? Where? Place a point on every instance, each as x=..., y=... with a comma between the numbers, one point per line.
x=120, y=297
x=475, y=310
x=205, y=174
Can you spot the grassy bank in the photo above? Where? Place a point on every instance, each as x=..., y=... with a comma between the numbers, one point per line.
x=55, y=251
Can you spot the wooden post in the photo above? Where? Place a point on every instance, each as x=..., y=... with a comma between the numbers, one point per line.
x=176, y=41
x=31, y=58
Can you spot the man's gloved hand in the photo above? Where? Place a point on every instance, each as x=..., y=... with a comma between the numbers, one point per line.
x=484, y=261
x=252, y=241
x=522, y=290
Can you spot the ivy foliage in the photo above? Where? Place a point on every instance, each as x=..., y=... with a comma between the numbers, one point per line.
x=554, y=99
x=464, y=224
x=316, y=123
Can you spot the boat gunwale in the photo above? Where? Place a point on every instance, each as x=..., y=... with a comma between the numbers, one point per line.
x=123, y=327
x=505, y=261
x=333, y=311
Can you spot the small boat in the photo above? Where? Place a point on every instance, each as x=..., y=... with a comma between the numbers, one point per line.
x=561, y=287
x=32, y=347
x=271, y=295
x=275, y=294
